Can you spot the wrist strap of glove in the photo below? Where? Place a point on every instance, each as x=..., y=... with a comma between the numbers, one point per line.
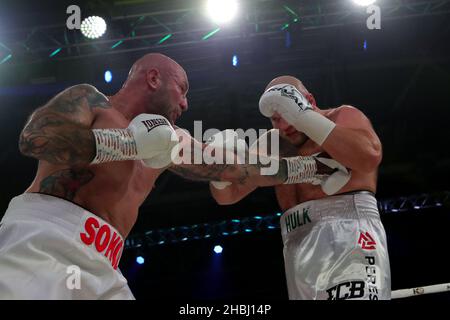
x=114, y=145
x=301, y=170
x=316, y=126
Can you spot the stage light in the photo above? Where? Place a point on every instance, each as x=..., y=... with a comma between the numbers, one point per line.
x=108, y=76
x=235, y=61
x=218, y=249
x=93, y=27
x=364, y=2
x=9, y=56
x=54, y=53
x=221, y=11
x=140, y=260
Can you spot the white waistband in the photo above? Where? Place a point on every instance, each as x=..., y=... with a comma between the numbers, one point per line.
x=79, y=224
x=348, y=206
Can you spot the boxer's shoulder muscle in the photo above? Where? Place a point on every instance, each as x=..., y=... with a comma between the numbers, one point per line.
x=349, y=116
x=54, y=132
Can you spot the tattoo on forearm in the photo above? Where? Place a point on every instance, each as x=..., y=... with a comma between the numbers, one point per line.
x=60, y=131
x=66, y=183
x=200, y=172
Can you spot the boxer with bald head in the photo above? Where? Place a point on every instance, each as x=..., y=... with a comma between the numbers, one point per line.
x=334, y=243
x=99, y=158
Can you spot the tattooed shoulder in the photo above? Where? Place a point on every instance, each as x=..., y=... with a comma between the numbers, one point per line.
x=73, y=99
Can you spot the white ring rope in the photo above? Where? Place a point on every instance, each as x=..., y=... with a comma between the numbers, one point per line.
x=404, y=293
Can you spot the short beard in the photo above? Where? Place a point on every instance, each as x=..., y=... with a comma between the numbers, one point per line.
x=159, y=104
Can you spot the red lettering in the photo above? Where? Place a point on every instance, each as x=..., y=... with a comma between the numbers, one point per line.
x=99, y=245
x=90, y=226
x=112, y=245
x=103, y=240
x=116, y=255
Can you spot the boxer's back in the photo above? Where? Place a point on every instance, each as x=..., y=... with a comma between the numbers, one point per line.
x=113, y=190
x=290, y=195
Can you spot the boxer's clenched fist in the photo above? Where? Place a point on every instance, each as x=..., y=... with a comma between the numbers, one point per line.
x=149, y=137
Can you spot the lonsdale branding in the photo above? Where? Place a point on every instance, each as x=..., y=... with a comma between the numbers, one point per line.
x=153, y=123
x=297, y=219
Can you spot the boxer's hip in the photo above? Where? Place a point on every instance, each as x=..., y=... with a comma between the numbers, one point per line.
x=44, y=238
x=300, y=219
x=335, y=247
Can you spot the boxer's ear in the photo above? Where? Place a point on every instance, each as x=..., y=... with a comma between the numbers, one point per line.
x=153, y=79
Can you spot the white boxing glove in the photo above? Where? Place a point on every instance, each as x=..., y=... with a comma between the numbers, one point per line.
x=228, y=140
x=304, y=170
x=331, y=184
x=149, y=137
x=293, y=107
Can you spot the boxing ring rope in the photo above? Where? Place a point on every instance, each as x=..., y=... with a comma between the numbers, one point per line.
x=405, y=293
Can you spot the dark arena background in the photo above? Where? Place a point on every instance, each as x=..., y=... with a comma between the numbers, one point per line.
x=398, y=75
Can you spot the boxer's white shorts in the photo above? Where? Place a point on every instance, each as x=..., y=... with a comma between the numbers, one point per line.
x=51, y=248
x=335, y=248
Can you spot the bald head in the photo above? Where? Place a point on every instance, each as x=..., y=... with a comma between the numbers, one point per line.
x=152, y=61
x=155, y=84
x=288, y=80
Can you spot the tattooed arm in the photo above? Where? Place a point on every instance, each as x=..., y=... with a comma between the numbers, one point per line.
x=60, y=132
x=244, y=177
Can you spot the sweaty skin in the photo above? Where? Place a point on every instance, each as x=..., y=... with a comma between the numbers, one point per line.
x=353, y=143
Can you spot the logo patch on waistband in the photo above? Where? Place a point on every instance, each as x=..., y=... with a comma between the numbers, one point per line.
x=366, y=241
x=297, y=219
x=103, y=239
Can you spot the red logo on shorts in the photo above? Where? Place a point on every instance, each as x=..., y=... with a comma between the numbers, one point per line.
x=366, y=241
x=107, y=241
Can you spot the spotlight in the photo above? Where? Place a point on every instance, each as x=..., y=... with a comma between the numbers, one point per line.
x=93, y=27
x=364, y=2
x=235, y=61
x=218, y=249
x=108, y=76
x=221, y=11
x=140, y=260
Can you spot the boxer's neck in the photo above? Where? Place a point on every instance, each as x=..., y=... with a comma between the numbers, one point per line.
x=128, y=104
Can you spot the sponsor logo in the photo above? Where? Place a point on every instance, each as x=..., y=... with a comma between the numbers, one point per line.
x=358, y=288
x=419, y=290
x=297, y=219
x=291, y=92
x=366, y=241
x=347, y=290
x=153, y=123
x=371, y=278
x=103, y=239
